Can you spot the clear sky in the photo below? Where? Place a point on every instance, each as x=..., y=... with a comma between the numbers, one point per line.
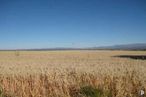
x=71, y=23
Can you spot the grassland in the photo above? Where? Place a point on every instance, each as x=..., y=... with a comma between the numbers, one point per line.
x=71, y=74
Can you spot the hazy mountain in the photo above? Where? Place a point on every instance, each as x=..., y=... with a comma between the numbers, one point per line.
x=137, y=46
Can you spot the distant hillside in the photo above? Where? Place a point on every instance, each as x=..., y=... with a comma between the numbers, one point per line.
x=137, y=46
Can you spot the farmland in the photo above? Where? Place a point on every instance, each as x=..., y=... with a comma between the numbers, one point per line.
x=74, y=73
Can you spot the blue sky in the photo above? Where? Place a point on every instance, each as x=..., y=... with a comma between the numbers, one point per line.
x=71, y=23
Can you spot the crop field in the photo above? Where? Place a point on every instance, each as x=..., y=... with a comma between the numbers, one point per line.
x=72, y=73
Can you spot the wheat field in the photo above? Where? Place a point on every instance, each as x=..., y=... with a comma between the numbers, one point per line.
x=73, y=73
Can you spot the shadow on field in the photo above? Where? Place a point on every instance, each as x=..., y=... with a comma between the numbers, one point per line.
x=136, y=57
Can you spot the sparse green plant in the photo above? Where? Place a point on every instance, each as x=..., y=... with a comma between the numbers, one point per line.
x=2, y=94
x=90, y=91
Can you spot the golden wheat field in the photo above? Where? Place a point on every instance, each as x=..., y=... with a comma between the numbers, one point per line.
x=79, y=73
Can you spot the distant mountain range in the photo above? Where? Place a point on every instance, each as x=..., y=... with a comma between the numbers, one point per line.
x=136, y=46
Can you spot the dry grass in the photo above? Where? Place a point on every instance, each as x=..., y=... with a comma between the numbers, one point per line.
x=71, y=74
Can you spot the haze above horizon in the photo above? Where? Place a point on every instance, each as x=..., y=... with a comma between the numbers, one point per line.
x=28, y=24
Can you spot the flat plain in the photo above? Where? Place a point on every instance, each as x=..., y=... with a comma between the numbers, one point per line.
x=72, y=73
